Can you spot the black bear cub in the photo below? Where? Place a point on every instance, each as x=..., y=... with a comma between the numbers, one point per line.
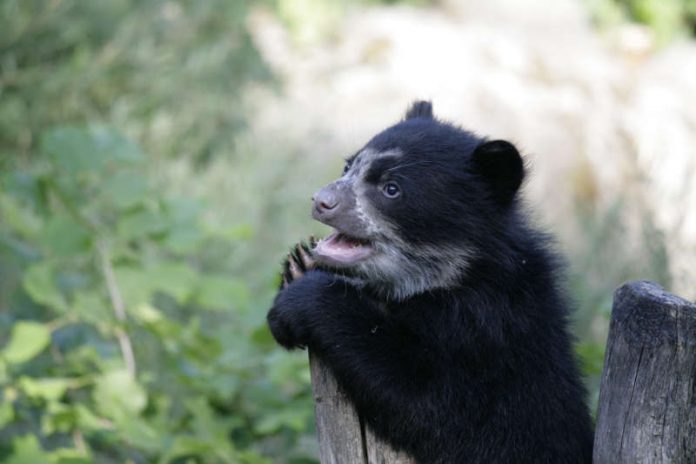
x=436, y=304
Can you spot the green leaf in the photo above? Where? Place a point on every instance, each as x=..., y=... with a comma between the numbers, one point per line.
x=286, y=369
x=183, y=238
x=175, y=279
x=182, y=210
x=205, y=422
x=137, y=432
x=39, y=284
x=27, y=450
x=235, y=233
x=114, y=145
x=49, y=389
x=591, y=356
x=125, y=189
x=72, y=149
x=222, y=292
x=63, y=236
x=135, y=284
x=138, y=285
x=187, y=446
x=141, y=223
x=89, y=421
x=252, y=457
x=90, y=306
x=58, y=418
x=27, y=340
x=77, y=150
x=147, y=314
x=6, y=413
x=117, y=393
x=294, y=418
x=225, y=386
x=20, y=219
x=3, y=371
x=262, y=337
x=22, y=185
x=70, y=456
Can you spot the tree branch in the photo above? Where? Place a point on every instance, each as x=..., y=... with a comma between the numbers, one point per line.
x=118, y=307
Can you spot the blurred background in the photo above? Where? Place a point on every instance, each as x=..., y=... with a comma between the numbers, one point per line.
x=157, y=159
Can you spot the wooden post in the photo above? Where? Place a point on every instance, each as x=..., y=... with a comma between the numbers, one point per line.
x=343, y=437
x=647, y=401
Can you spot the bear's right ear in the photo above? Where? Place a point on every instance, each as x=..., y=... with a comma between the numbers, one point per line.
x=420, y=109
x=501, y=165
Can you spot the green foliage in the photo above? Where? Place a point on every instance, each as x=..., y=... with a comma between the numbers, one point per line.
x=667, y=18
x=99, y=256
x=610, y=253
x=121, y=339
x=26, y=341
x=135, y=64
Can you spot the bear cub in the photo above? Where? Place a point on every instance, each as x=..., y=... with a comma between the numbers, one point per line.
x=436, y=304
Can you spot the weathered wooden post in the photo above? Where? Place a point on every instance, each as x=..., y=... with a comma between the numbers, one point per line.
x=647, y=401
x=343, y=436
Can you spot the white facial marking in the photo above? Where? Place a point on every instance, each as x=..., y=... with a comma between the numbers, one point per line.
x=356, y=174
x=364, y=159
x=398, y=269
x=398, y=275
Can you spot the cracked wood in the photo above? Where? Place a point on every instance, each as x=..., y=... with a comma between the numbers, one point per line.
x=343, y=437
x=647, y=403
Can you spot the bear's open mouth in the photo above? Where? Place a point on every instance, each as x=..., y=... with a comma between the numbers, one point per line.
x=339, y=248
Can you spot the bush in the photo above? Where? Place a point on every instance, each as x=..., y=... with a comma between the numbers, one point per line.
x=170, y=74
x=124, y=334
x=127, y=337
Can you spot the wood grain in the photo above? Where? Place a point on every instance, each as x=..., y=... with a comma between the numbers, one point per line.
x=338, y=425
x=343, y=438
x=647, y=402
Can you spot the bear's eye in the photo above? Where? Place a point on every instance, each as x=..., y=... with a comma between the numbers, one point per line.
x=346, y=168
x=391, y=190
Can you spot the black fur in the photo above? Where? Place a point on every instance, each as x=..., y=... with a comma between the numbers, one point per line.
x=420, y=109
x=478, y=372
x=500, y=162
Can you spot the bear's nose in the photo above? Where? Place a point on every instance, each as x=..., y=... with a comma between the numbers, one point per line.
x=325, y=200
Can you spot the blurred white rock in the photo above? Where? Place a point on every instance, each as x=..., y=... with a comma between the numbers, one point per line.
x=534, y=72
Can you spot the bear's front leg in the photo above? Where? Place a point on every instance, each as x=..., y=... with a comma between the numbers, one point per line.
x=303, y=311
x=342, y=325
x=288, y=318
x=381, y=361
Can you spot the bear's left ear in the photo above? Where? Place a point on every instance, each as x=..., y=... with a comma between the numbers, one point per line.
x=420, y=109
x=501, y=165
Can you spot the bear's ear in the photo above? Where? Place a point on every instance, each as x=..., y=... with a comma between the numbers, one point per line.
x=420, y=109
x=501, y=165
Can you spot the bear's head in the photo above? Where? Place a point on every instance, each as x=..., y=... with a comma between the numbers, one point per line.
x=417, y=205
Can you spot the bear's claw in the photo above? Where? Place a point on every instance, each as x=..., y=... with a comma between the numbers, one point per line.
x=298, y=262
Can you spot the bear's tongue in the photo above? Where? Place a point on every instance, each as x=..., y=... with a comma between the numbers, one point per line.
x=339, y=248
